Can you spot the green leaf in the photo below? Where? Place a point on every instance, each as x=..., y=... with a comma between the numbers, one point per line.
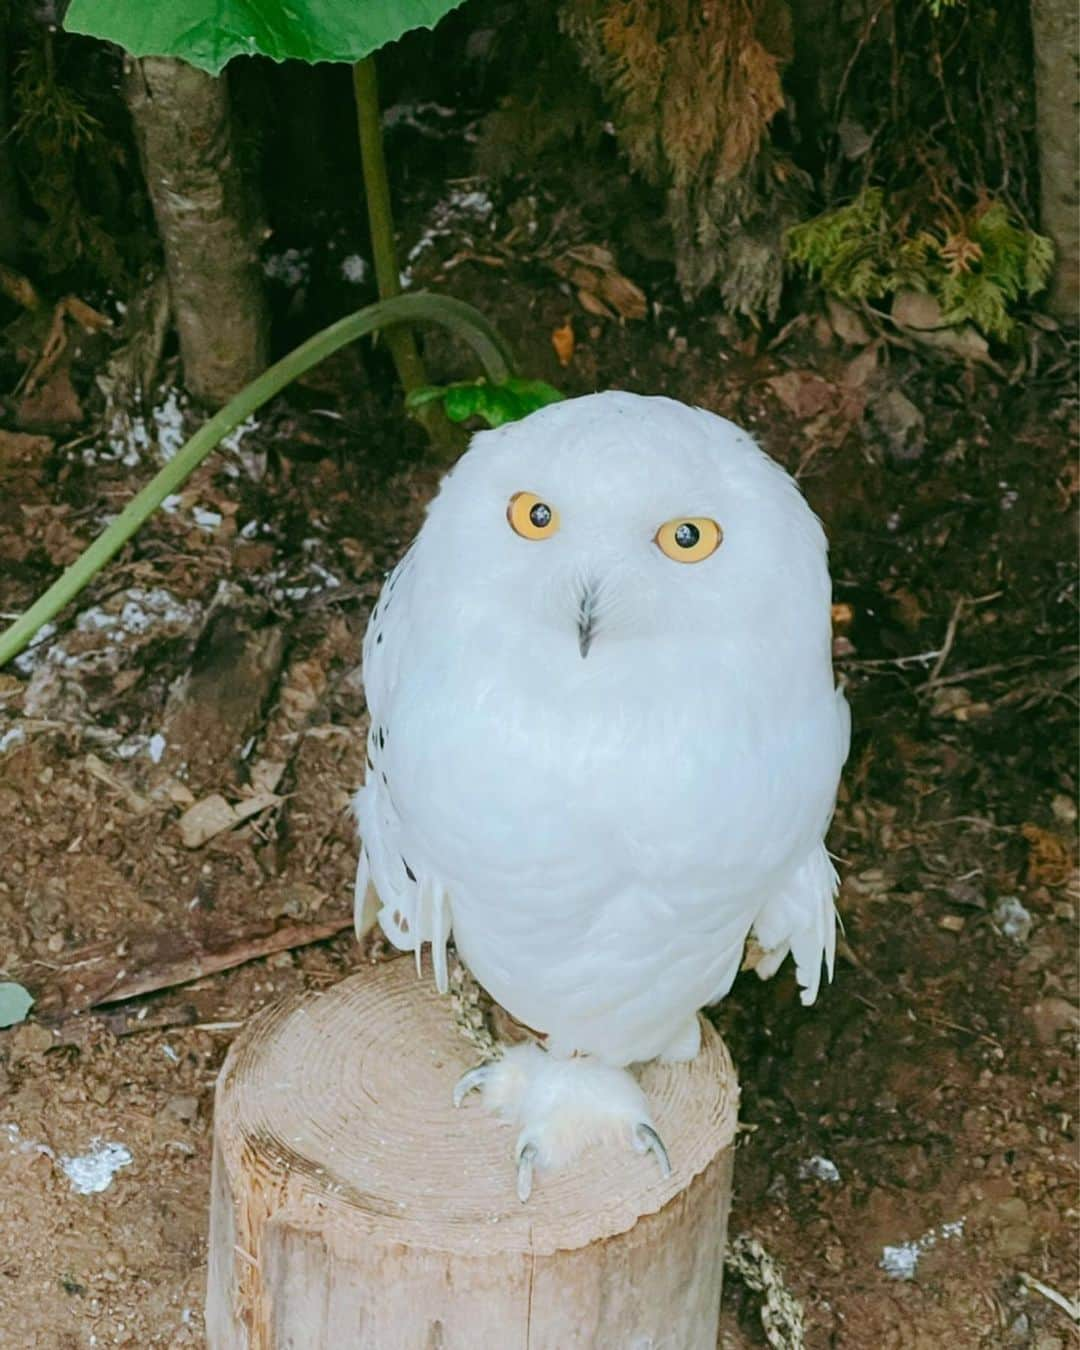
x=497, y=404
x=15, y=1003
x=208, y=33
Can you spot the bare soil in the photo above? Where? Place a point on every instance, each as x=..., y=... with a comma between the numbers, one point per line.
x=928, y=1101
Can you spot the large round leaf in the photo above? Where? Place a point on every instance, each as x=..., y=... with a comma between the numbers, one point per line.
x=207, y=33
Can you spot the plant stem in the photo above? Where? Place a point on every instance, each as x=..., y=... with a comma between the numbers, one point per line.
x=410, y=367
x=460, y=318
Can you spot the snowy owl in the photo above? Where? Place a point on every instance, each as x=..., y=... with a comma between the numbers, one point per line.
x=605, y=746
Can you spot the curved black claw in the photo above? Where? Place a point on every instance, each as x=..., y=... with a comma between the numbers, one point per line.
x=646, y=1140
x=526, y=1156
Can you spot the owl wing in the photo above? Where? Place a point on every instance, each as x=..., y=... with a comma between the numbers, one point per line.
x=801, y=917
x=411, y=904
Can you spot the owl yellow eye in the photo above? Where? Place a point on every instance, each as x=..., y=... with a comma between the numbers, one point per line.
x=689, y=539
x=530, y=517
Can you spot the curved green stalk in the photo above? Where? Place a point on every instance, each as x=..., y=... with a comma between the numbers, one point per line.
x=410, y=367
x=460, y=318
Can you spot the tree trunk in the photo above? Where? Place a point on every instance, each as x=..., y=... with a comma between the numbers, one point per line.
x=1056, y=32
x=9, y=194
x=355, y=1209
x=204, y=216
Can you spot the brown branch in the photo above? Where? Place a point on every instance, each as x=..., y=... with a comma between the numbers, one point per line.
x=113, y=971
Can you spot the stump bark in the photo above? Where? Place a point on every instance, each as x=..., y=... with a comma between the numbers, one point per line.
x=354, y=1208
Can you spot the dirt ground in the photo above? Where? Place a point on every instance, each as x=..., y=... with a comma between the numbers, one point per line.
x=909, y=1157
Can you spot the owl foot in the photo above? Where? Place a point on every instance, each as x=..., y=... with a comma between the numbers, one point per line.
x=562, y=1106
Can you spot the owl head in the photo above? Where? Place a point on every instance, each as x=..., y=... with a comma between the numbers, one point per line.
x=606, y=527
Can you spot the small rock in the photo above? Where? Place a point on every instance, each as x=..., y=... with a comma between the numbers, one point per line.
x=1051, y=1016
x=1064, y=809
x=1013, y=919
x=921, y=317
x=819, y=1169
x=901, y=424
x=1016, y=1234
x=1019, y=1328
x=185, y=1108
x=31, y=1039
x=846, y=324
x=966, y=893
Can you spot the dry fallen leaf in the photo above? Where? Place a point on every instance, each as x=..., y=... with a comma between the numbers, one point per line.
x=592, y=304
x=601, y=288
x=92, y=320
x=620, y=292
x=1049, y=860
x=801, y=393
x=18, y=288
x=562, y=339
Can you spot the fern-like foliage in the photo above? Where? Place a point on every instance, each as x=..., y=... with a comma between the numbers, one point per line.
x=67, y=159
x=977, y=268
x=692, y=90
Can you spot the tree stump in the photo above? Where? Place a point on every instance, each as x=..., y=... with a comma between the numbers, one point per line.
x=355, y=1209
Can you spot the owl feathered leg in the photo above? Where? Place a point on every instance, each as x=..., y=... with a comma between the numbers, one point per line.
x=562, y=1106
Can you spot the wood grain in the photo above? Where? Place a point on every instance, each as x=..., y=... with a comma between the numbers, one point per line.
x=354, y=1207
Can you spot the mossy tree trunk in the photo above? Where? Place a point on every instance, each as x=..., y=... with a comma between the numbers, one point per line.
x=9, y=195
x=204, y=213
x=1056, y=32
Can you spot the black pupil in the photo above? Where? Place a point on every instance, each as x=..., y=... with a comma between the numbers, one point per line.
x=540, y=516
x=687, y=535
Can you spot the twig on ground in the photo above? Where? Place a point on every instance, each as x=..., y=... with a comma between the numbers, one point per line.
x=947, y=645
x=1069, y=1306
x=963, y=603
x=146, y=964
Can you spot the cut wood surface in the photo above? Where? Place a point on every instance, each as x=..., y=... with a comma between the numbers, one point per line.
x=354, y=1207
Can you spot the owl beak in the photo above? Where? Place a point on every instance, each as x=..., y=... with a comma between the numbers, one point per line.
x=586, y=618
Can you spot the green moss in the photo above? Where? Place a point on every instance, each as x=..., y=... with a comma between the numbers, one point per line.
x=977, y=266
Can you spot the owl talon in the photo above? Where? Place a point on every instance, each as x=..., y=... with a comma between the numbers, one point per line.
x=646, y=1140
x=473, y=1081
x=525, y=1158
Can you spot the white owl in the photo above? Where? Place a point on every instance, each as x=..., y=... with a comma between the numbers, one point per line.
x=605, y=746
